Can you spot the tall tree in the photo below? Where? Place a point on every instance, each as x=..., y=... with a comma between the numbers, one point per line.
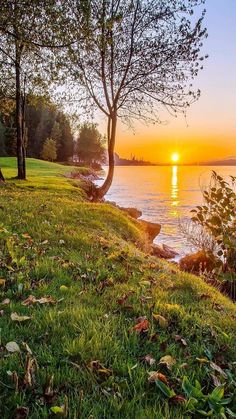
x=137, y=56
x=29, y=30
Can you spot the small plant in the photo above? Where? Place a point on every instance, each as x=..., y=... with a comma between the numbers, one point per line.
x=206, y=405
x=196, y=402
x=217, y=218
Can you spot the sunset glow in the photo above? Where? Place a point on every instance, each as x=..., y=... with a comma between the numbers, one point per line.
x=175, y=157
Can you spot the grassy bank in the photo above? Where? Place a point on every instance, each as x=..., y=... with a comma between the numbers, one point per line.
x=88, y=350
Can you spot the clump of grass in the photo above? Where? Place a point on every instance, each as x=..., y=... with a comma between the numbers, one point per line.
x=90, y=358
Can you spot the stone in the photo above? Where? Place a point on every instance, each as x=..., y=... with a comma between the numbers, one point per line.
x=132, y=212
x=152, y=229
x=198, y=262
x=163, y=251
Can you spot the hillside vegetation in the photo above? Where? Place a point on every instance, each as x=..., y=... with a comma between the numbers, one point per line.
x=87, y=316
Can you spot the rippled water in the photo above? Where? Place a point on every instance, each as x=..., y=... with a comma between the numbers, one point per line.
x=165, y=195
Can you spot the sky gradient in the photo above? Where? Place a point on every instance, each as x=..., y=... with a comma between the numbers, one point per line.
x=209, y=131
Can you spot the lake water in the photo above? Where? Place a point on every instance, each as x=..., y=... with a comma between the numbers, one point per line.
x=164, y=194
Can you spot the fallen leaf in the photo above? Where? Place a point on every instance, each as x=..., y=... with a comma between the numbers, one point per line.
x=168, y=361
x=12, y=347
x=215, y=380
x=16, y=318
x=50, y=393
x=155, y=375
x=45, y=242
x=31, y=367
x=30, y=300
x=163, y=322
x=142, y=326
x=179, y=339
x=148, y=359
x=26, y=347
x=46, y=300
x=202, y=360
x=43, y=300
x=2, y=282
x=21, y=412
x=6, y=301
x=218, y=369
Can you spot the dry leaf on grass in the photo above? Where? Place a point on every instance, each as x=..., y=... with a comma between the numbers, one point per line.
x=148, y=359
x=30, y=369
x=179, y=339
x=27, y=348
x=141, y=326
x=17, y=318
x=218, y=369
x=6, y=302
x=163, y=322
x=43, y=300
x=12, y=347
x=168, y=361
x=156, y=375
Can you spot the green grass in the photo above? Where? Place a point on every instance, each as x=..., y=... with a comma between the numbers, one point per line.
x=51, y=237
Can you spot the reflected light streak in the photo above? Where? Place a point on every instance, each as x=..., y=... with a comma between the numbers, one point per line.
x=174, y=189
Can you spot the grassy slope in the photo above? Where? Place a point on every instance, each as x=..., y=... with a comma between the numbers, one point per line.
x=98, y=261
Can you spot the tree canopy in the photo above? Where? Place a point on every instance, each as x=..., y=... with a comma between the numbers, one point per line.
x=134, y=57
x=43, y=120
x=90, y=144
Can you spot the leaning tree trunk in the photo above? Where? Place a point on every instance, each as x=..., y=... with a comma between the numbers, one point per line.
x=100, y=192
x=1, y=176
x=20, y=145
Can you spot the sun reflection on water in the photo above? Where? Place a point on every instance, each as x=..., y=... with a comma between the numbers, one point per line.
x=174, y=190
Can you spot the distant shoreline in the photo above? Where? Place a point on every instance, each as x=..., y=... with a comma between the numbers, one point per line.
x=179, y=165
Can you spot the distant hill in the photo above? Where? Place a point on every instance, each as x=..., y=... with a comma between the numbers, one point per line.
x=229, y=161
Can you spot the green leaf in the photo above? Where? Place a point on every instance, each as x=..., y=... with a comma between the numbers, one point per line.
x=192, y=391
x=230, y=413
x=57, y=409
x=167, y=391
x=205, y=414
x=217, y=393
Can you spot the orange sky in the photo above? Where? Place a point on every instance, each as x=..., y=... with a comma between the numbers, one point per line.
x=210, y=129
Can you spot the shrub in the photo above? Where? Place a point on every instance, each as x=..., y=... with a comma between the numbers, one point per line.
x=217, y=217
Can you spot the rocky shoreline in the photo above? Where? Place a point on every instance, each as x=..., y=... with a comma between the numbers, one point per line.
x=152, y=230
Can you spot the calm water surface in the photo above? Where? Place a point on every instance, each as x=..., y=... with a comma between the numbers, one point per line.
x=165, y=195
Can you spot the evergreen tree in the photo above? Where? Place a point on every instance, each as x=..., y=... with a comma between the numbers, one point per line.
x=49, y=151
x=90, y=144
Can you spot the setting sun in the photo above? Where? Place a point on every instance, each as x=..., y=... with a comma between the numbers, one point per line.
x=175, y=157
